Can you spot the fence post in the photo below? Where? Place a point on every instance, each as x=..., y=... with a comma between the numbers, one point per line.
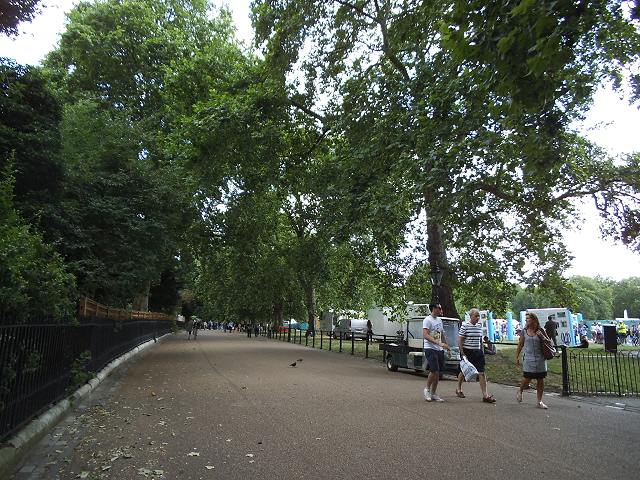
x=565, y=372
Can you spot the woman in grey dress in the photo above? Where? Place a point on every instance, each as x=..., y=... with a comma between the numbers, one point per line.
x=534, y=364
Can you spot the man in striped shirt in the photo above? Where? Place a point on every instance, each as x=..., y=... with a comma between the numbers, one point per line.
x=470, y=343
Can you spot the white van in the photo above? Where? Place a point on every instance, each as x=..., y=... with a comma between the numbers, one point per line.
x=350, y=327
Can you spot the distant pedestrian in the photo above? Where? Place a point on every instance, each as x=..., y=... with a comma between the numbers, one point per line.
x=369, y=331
x=622, y=333
x=189, y=327
x=470, y=344
x=534, y=364
x=551, y=327
x=435, y=344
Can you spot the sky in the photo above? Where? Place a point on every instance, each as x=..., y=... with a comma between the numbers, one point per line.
x=612, y=123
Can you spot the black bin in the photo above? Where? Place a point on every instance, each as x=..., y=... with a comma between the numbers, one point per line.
x=610, y=338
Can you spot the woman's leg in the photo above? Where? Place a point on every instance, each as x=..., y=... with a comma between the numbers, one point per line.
x=540, y=389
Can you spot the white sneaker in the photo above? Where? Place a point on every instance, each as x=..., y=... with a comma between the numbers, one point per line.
x=436, y=398
x=427, y=395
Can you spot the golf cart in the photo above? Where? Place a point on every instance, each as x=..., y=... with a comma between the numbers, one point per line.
x=409, y=353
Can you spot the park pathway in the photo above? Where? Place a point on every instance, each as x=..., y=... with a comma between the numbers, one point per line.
x=226, y=406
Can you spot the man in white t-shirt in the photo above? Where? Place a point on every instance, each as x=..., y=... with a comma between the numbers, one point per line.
x=435, y=343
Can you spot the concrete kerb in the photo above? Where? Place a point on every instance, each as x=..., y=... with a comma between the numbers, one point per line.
x=18, y=447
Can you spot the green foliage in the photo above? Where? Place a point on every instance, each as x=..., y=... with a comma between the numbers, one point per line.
x=626, y=296
x=79, y=374
x=128, y=201
x=33, y=279
x=529, y=298
x=595, y=297
x=14, y=12
x=459, y=112
x=30, y=139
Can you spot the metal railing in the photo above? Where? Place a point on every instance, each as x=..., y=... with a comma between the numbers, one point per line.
x=327, y=341
x=41, y=363
x=588, y=371
x=584, y=371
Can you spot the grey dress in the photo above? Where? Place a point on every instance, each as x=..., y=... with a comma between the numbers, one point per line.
x=533, y=360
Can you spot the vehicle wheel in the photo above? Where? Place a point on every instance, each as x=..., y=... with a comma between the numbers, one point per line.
x=391, y=366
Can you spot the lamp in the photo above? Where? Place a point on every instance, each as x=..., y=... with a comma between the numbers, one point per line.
x=436, y=278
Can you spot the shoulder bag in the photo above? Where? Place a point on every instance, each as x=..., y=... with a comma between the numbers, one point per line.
x=548, y=351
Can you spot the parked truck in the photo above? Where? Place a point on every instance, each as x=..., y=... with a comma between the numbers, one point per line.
x=383, y=325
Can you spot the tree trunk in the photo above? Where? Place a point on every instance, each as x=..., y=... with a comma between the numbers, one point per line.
x=311, y=309
x=278, y=313
x=140, y=304
x=438, y=256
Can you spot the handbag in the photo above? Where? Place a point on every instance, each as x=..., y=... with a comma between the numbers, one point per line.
x=548, y=351
x=467, y=368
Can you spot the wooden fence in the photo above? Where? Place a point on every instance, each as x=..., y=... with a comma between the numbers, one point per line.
x=90, y=308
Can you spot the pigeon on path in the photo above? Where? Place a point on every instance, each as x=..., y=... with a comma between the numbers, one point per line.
x=295, y=363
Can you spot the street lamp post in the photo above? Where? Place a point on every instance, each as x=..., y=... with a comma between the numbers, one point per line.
x=290, y=304
x=436, y=278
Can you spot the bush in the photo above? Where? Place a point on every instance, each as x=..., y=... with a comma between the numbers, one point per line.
x=33, y=279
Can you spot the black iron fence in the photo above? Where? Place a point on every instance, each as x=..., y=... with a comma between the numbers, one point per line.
x=355, y=345
x=42, y=362
x=588, y=371
x=584, y=371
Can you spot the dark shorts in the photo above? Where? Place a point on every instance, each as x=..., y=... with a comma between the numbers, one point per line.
x=476, y=357
x=533, y=375
x=435, y=359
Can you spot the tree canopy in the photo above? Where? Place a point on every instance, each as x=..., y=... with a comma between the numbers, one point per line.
x=13, y=12
x=467, y=106
x=369, y=142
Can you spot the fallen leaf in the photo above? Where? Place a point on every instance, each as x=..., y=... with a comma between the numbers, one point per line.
x=249, y=454
x=209, y=467
x=106, y=467
x=193, y=454
x=83, y=475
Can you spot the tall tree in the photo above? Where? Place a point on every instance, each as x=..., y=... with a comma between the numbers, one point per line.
x=129, y=201
x=417, y=99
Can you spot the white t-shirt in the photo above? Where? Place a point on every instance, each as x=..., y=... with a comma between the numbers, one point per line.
x=435, y=329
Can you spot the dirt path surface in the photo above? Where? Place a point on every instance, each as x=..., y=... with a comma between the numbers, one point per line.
x=231, y=407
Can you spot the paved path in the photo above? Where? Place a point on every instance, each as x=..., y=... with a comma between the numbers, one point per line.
x=226, y=406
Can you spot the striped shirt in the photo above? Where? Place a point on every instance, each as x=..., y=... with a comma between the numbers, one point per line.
x=472, y=335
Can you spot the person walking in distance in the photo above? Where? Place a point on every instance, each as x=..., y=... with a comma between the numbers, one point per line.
x=534, y=364
x=435, y=344
x=470, y=344
x=551, y=327
x=188, y=327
